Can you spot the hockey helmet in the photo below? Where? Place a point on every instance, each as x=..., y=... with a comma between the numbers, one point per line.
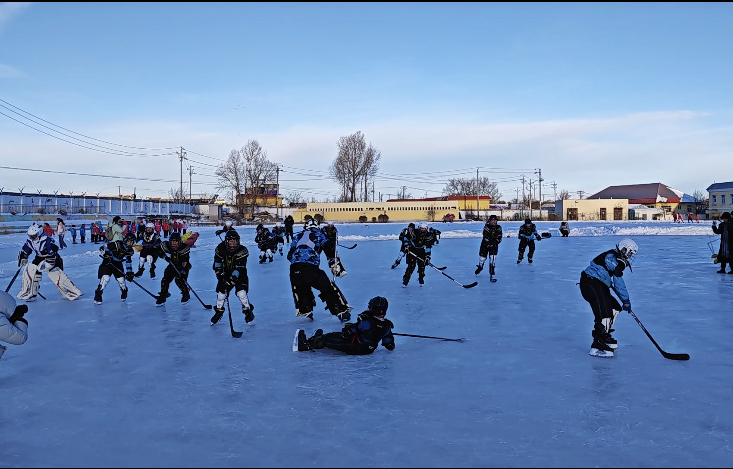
x=310, y=223
x=493, y=217
x=129, y=238
x=422, y=225
x=232, y=240
x=34, y=231
x=260, y=227
x=725, y=216
x=628, y=249
x=378, y=306
x=175, y=237
x=527, y=221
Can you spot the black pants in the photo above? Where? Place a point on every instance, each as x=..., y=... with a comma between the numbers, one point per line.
x=486, y=249
x=303, y=277
x=523, y=243
x=111, y=268
x=289, y=235
x=564, y=233
x=145, y=252
x=336, y=341
x=599, y=296
x=170, y=275
x=412, y=262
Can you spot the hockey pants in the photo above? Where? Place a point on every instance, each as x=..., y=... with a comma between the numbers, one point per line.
x=32, y=275
x=303, y=277
x=605, y=307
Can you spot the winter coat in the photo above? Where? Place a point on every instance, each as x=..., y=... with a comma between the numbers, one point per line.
x=529, y=232
x=60, y=228
x=306, y=247
x=369, y=330
x=116, y=231
x=725, y=230
x=608, y=267
x=263, y=239
x=16, y=333
x=492, y=234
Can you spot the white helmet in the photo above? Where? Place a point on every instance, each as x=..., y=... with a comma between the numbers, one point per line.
x=422, y=225
x=34, y=231
x=628, y=249
x=228, y=223
x=278, y=224
x=150, y=225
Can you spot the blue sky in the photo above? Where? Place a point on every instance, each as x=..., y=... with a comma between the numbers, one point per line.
x=592, y=94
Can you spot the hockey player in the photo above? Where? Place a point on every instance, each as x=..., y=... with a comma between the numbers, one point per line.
x=150, y=242
x=564, y=229
x=177, y=254
x=418, y=253
x=725, y=230
x=113, y=255
x=527, y=235
x=405, y=236
x=605, y=272
x=489, y=246
x=13, y=326
x=264, y=243
x=46, y=260
x=230, y=267
x=305, y=258
x=329, y=249
x=227, y=226
x=278, y=232
x=435, y=233
x=361, y=338
x=289, y=222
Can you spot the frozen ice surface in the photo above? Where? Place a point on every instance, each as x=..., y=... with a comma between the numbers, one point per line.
x=129, y=384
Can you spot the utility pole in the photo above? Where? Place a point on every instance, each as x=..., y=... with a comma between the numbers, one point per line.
x=478, y=217
x=580, y=194
x=539, y=185
x=524, y=197
x=373, y=192
x=554, y=188
x=277, y=191
x=190, y=185
x=181, y=155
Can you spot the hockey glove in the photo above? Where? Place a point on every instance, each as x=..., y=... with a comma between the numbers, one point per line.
x=18, y=314
x=129, y=276
x=427, y=259
x=389, y=346
x=627, y=306
x=219, y=232
x=22, y=260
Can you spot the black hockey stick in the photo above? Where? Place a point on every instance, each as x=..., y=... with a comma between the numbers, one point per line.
x=133, y=281
x=470, y=285
x=13, y=279
x=430, y=337
x=186, y=282
x=671, y=356
x=235, y=334
x=347, y=247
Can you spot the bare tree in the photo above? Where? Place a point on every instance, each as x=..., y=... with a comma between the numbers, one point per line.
x=467, y=186
x=564, y=195
x=258, y=171
x=231, y=178
x=294, y=197
x=354, y=165
x=175, y=194
x=701, y=200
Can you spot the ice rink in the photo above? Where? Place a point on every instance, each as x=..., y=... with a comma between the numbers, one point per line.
x=129, y=384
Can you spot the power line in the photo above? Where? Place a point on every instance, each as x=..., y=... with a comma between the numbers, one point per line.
x=75, y=133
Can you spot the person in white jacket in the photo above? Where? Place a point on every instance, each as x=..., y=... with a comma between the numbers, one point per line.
x=13, y=326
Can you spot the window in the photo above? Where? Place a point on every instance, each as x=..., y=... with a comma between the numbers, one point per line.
x=714, y=199
x=722, y=199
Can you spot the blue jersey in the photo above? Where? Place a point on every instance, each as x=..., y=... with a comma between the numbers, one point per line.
x=608, y=267
x=306, y=247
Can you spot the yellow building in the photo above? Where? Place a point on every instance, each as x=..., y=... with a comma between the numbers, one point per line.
x=592, y=209
x=429, y=209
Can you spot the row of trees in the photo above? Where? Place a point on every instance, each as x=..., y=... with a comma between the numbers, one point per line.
x=245, y=171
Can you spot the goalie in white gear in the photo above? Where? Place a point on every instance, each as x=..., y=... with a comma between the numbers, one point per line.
x=46, y=260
